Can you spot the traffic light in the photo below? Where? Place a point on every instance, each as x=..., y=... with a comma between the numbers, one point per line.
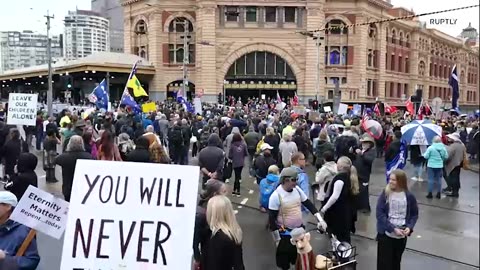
x=315, y=105
x=69, y=82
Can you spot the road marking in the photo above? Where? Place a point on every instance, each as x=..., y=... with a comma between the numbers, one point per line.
x=239, y=207
x=419, y=236
x=235, y=211
x=42, y=176
x=250, y=191
x=244, y=201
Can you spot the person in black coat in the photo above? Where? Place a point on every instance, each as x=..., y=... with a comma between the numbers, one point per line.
x=141, y=153
x=26, y=176
x=394, y=147
x=339, y=211
x=417, y=160
x=363, y=163
x=201, y=233
x=68, y=161
x=11, y=151
x=224, y=247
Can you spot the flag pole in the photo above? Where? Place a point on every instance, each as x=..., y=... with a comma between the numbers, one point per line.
x=129, y=77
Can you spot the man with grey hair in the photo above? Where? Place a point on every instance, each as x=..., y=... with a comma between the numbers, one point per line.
x=68, y=160
x=151, y=136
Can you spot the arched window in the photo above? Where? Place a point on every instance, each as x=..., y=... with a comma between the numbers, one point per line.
x=407, y=41
x=140, y=43
x=387, y=31
x=339, y=27
x=141, y=27
x=394, y=36
x=400, y=39
x=178, y=25
x=177, y=28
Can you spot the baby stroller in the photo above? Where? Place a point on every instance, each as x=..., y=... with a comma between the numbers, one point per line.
x=341, y=257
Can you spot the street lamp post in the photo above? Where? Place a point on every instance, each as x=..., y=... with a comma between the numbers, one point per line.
x=49, y=56
x=186, y=59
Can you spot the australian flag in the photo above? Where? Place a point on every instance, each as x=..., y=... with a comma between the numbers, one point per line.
x=398, y=161
x=453, y=82
x=99, y=96
x=187, y=105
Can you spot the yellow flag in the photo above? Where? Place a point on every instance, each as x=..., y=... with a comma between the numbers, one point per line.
x=138, y=90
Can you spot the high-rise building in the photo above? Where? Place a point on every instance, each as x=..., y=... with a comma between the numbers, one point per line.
x=113, y=11
x=26, y=49
x=86, y=32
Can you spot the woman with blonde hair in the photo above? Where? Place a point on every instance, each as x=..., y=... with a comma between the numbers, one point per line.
x=339, y=211
x=224, y=250
x=397, y=214
x=158, y=153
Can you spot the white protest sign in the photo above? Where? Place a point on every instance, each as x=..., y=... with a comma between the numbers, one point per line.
x=42, y=211
x=197, y=103
x=327, y=109
x=342, y=109
x=22, y=109
x=127, y=215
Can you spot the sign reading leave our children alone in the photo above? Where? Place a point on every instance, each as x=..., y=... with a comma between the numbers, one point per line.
x=22, y=109
x=126, y=215
x=42, y=211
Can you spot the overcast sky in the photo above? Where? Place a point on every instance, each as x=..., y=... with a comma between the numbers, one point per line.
x=28, y=14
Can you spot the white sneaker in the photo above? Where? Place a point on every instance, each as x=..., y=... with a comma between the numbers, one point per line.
x=227, y=181
x=414, y=178
x=420, y=179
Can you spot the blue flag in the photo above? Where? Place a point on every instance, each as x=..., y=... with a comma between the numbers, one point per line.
x=398, y=161
x=99, y=96
x=453, y=82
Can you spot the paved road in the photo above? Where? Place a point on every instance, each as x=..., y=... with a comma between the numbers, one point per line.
x=446, y=235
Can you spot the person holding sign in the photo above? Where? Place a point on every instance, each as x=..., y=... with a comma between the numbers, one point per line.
x=15, y=251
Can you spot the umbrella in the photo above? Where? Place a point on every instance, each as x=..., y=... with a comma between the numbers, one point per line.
x=420, y=132
x=373, y=128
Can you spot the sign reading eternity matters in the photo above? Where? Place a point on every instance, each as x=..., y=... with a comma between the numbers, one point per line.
x=126, y=215
x=22, y=109
x=42, y=211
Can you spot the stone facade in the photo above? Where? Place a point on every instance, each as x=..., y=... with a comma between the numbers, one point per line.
x=388, y=61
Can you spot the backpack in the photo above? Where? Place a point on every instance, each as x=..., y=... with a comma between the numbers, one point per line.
x=259, y=144
x=266, y=190
x=176, y=137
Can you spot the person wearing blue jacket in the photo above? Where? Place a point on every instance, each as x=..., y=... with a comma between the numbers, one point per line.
x=12, y=236
x=268, y=186
x=298, y=163
x=435, y=155
x=397, y=214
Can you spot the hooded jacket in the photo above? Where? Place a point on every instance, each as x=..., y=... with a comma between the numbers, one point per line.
x=435, y=155
x=228, y=140
x=26, y=175
x=212, y=157
x=12, y=235
x=267, y=187
x=323, y=177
